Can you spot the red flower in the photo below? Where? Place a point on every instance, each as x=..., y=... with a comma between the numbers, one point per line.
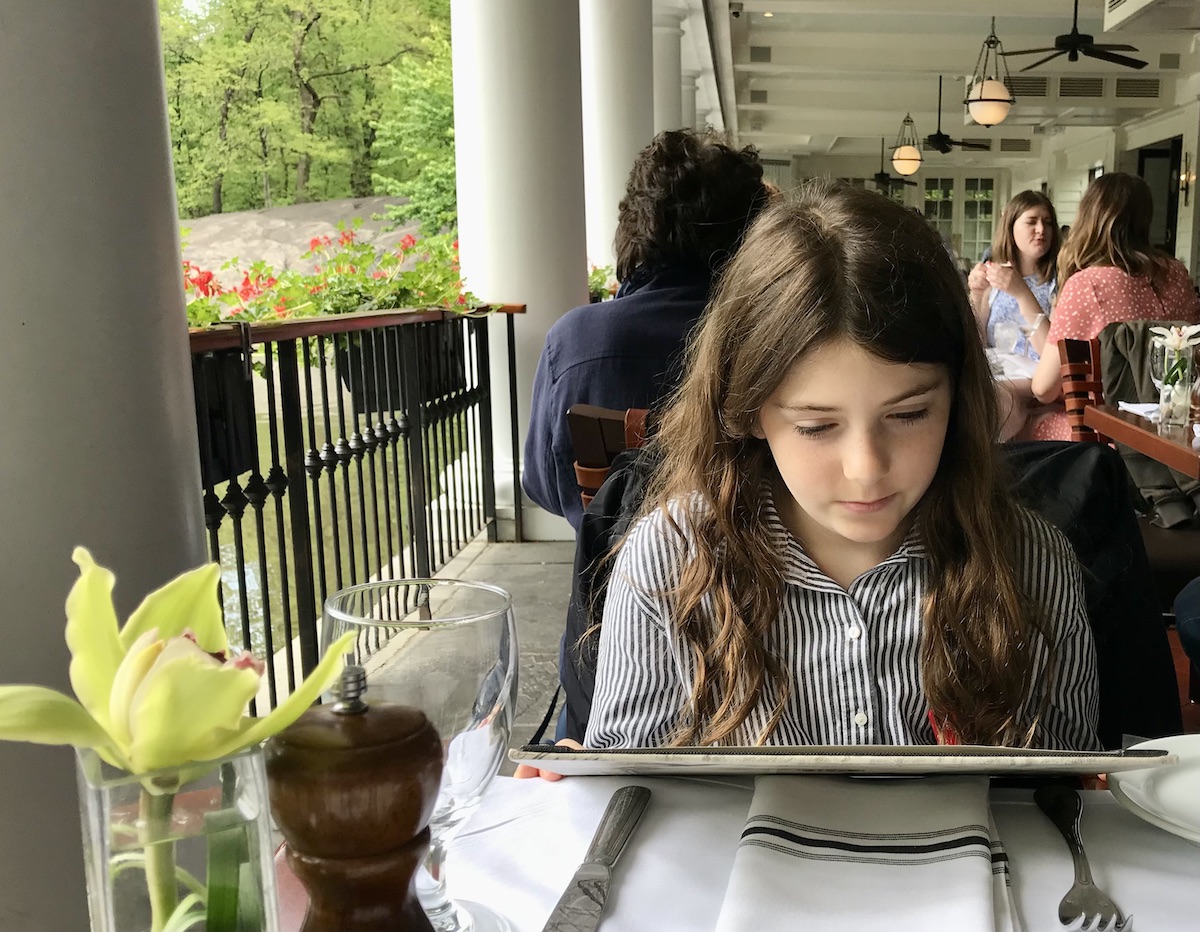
x=314, y=244
x=408, y=242
x=454, y=245
x=462, y=299
x=378, y=274
x=346, y=238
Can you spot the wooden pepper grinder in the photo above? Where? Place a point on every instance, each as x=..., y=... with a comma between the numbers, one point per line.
x=352, y=789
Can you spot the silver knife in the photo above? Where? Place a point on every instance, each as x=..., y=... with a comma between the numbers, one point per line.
x=582, y=903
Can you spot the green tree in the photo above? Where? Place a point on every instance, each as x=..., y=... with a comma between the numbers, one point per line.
x=275, y=101
x=414, y=141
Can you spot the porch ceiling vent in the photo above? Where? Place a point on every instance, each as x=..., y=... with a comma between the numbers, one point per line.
x=1080, y=87
x=980, y=141
x=1168, y=61
x=1029, y=85
x=1137, y=87
x=1016, y=145
x=760, y=54
x=758, y=97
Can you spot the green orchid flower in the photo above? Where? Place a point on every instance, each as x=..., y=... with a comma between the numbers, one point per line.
x=160, y=691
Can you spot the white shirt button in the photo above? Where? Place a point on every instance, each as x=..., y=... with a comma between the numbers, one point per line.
x=860, y=718
x=854, y=632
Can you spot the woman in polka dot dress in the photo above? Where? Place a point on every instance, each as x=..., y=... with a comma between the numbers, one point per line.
x=1108, y=272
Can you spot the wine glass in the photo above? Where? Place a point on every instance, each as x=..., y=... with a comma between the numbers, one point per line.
x=449, y=649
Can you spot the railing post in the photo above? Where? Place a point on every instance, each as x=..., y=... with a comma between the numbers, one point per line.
x=414, y=404
x=307, y=610
x=486, y=453
x=515, y=417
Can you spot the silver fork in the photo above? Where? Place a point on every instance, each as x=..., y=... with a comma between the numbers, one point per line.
x=1084, y=900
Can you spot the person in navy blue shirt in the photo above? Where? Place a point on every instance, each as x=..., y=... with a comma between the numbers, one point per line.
x=688, y=201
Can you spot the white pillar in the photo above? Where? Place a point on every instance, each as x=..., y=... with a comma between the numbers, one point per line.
x=668, y=94
x=688, y=99
x=616, y=57
x=519, y=142
x=100, y=440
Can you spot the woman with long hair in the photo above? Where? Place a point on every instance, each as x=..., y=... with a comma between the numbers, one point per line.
x=1015, y=284
x=1107, y=272
x=828, y=553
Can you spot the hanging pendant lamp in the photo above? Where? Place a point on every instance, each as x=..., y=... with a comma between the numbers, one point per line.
x=989, y=99
x=906, y=153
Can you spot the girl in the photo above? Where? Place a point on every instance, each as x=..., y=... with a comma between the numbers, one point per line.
x=828, y=554
x=1015, y=285
x=1109, y=272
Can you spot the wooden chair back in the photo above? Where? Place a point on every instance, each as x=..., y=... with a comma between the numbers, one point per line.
x=1081, y=385
x=597, y=436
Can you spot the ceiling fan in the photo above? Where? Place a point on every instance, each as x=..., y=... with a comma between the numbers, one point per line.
x=1076, y=43
x=942, y=141
x=884, y=181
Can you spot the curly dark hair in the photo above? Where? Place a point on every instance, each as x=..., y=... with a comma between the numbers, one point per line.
x=689, y=199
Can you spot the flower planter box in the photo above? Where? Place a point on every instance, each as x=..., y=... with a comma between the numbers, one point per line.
x=224, y=414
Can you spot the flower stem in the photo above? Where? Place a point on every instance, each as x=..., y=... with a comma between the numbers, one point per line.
x=155, y=823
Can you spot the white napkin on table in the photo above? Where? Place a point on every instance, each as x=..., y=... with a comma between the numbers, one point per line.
x=1148, y=410
x=839, y=853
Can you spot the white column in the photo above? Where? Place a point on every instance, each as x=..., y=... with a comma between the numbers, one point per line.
x=519, y=142
x=688, y=99
x=668, y=94
x=616, y=56
x=100, y=441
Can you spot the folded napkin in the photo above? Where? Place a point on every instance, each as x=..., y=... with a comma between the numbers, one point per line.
x=1148, y=410
x=839, y=853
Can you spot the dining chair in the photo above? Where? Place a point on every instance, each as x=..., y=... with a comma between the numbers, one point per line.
x=1081, y=385
x=597, y=436
x=1173, y=554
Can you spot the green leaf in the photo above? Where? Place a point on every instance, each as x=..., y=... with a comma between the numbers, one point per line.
x=227, y=850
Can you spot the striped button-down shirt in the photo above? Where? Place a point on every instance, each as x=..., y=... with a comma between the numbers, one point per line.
x=853, y=655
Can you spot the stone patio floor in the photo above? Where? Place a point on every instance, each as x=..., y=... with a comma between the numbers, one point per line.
x=538, y=575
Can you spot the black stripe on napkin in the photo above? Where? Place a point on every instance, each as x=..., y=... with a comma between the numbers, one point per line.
x=882, y=847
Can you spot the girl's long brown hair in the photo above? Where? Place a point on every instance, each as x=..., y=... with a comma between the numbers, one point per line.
x=1112, y=228
x=831, y=263
x=1004, y=245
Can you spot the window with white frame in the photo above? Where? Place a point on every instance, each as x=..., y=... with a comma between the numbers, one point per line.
x=979, y=217
x=939, y=205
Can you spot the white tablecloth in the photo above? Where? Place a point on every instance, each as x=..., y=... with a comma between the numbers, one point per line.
x=521, y=847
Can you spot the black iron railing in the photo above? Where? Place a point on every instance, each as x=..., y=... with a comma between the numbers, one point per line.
x=335, y=451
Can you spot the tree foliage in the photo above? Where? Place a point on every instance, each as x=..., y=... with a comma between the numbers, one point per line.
x=415, y=139
x=280, y=101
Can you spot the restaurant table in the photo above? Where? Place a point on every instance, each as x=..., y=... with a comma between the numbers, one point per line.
x=1170, y=446
x=521, y=847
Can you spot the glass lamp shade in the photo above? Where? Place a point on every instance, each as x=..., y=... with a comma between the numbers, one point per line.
x=906, y=159
x=988, y=102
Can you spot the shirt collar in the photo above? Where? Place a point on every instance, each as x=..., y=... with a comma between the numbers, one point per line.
x=800, y=569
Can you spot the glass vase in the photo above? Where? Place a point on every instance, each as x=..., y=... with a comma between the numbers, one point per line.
x=178, y=849
x=1173, y=374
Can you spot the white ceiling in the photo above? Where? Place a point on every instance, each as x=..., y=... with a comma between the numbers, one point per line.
x=842, y=73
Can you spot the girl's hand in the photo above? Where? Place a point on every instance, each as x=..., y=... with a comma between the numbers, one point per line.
x=526, y=771
x=1005, y=278
x=977, y=280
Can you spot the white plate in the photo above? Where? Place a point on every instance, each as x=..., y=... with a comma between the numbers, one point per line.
x=1168, y=798
x=866, y=759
